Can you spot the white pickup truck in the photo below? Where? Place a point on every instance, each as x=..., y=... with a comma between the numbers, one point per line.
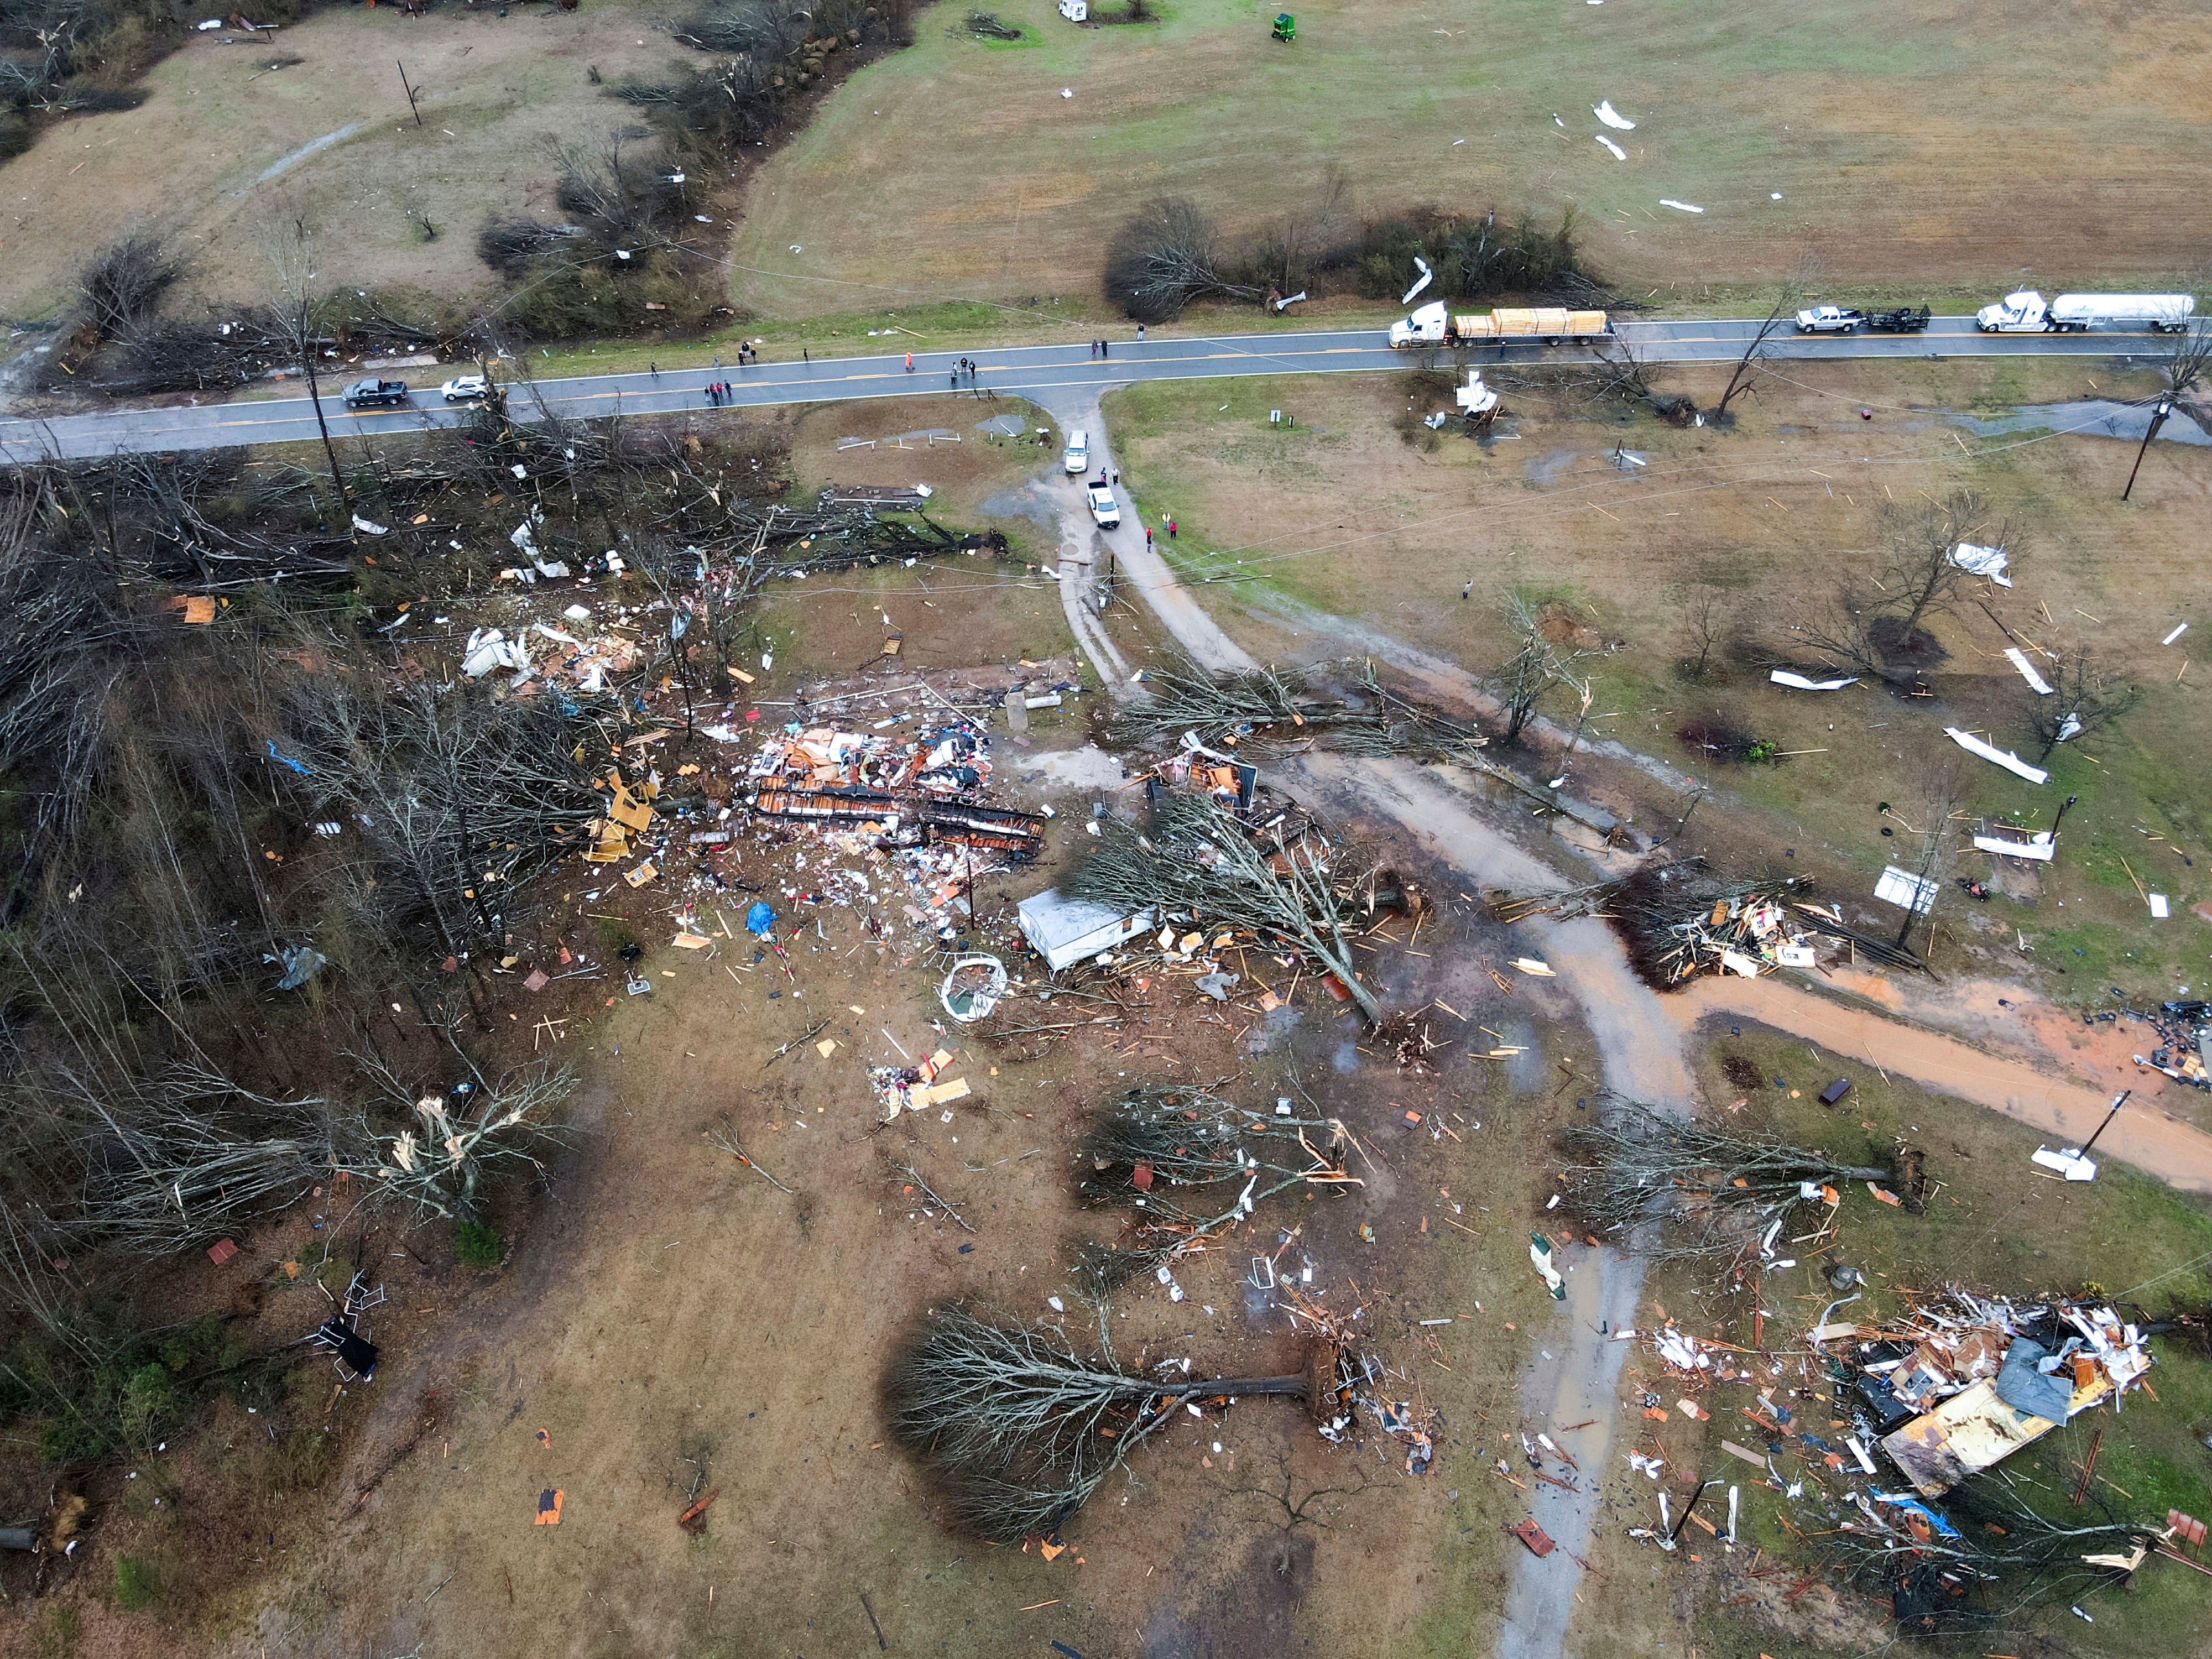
x=1830, y=319
x=2025, y=312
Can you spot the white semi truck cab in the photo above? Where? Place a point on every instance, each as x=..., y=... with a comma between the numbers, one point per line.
x=2025, y=312
x=1429, y=325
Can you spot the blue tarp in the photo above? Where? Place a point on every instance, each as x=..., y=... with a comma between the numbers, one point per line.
x=760, y=919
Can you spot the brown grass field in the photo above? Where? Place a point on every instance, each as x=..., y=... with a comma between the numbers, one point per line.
x=203, y=158
x=1946, y=149
x=1342, y=517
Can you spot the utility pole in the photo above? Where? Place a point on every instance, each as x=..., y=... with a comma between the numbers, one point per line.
x=409, y=91
x=2157, y=420
x=2118, y=1101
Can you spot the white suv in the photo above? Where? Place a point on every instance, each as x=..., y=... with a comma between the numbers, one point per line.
x=466, y=389
x=1076, y=458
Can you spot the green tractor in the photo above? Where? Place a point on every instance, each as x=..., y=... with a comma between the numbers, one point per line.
x=1287, y=26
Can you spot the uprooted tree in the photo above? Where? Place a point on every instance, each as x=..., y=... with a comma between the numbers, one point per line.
x=2002, y=1558
x=1172, y=1156
x=1165, y=257
x=1198, y=860
x=1016, y=1428
x=1342, y=705
x=1672, y=1187
x=1536, y=667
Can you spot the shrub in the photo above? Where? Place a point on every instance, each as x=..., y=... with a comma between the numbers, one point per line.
x=478, y=1245
x=135, y=1586
x=67, y=1439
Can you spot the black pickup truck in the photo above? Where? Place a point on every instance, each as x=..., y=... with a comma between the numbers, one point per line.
x=376, y=394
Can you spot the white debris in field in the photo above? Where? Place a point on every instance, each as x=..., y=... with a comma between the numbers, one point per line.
x=1612, y=118
x=1680, y=207
x=1618, y=154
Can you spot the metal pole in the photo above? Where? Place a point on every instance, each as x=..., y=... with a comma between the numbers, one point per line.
x=409, y=91
x=2157, y=420
x=2119, y=1100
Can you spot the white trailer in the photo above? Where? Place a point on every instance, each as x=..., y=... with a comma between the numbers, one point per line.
x=1066, y=931
x=2026, y=313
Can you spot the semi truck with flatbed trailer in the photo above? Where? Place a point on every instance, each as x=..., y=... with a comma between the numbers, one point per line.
x=1436, y=325
x=2026, y=313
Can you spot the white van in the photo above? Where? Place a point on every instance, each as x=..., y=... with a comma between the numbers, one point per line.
x=1076, y=458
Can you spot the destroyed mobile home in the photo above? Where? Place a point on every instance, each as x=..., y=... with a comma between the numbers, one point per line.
x=1943, y=1394
x=1967, y=1383
x=1678, y=922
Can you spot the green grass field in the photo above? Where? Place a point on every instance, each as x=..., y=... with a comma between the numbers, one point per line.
x=1917, y=144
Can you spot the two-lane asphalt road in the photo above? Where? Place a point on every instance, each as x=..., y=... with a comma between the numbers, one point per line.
x=1015, y=370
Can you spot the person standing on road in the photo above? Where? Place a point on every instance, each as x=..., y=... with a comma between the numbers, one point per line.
x=806, y=356
x=1140, y=334
x=1103, y=351
x=909, y=362
x=655, y=367
x=1148, y=539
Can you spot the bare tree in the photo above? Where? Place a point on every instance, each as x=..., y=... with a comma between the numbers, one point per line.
x=2189, y=354
x=120, y=288
x=1760, y=345
x=289, y=243
x=1921, y=574
x=1936, y=793
x=1673, y=1188
x=2003, y=1558
x=1843, y=626
x=1709, y=621
x=1356, y=714
x=439, y=1164
x=2084, y=699
x=1535, y=667
x=1284, y=251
